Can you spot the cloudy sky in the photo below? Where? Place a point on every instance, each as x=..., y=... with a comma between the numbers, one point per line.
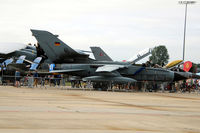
x=121, y=27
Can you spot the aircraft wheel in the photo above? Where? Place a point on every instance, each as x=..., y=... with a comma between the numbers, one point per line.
x=100, y=86
x=96, y=86
x=104, y=87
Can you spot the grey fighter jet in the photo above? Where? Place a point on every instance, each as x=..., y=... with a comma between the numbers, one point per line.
x=72, y=62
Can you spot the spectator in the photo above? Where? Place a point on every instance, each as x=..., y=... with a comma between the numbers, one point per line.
x=57, y=79
x=35, y=76
x=30, y=80
x=17, y=78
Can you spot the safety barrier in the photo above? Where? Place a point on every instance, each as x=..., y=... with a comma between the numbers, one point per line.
x=64, y=83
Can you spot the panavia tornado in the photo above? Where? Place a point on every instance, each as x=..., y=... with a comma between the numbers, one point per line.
x=101, y=73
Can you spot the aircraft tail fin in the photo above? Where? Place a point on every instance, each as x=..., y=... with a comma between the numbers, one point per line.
x=35, y=63
x=20, y=59
x=99, y=54
x=8, y=61
x=5, y=63
x=55, y=49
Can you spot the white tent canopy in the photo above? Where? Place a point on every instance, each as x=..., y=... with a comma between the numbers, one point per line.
x=6, y=48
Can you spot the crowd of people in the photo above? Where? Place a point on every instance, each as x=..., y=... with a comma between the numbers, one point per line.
x=34, y=79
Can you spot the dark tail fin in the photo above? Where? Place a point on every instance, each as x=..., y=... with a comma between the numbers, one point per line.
x=99, y=54
x=55, y=49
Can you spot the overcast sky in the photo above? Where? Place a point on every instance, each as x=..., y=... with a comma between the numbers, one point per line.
x=121, y=27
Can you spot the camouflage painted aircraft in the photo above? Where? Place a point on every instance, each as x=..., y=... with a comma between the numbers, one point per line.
x=101, y=73
x=100, y=55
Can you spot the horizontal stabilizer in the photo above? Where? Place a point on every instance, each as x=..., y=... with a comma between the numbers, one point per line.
x=112, y=79
x=66, y=71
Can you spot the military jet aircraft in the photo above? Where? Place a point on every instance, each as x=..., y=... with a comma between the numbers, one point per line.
x=101, y=73
x=6, y=71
